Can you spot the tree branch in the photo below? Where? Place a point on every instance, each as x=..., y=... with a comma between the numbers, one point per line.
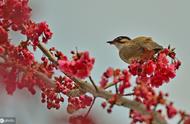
x=87, y=87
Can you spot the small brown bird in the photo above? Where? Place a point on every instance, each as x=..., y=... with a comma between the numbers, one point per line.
x=138, y=48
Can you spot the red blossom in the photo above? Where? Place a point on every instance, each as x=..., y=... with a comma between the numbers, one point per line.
x=171, y=110
x=162, y=59
x=79, y=66
x=177, y=64
x=118, y=77
x=109, y=110
x=104, y=104
x=53, y=100
x=103, y=82
x=149, y=67
x=172, y=55
x=137, y=117
x=113, y=99
x=146, y=95
x=44, y=31
x=36, y=32
x=109, y=72
x=14, y=76
x=125, y=81
x=134, y=68
x=157, y=71
x=76, y=103
x=53, y=95
x=15, y=11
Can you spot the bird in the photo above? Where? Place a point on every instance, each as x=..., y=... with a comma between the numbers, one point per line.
x=139, y=48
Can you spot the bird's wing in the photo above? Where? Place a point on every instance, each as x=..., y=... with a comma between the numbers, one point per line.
x=129, y=52
x=148, y=43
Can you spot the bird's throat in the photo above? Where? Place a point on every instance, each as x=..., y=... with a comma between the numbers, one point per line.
x=119, y=46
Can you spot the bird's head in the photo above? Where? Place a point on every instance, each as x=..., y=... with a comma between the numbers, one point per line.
x=120, y=41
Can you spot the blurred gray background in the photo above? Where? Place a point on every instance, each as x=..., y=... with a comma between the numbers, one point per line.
x=88, y=24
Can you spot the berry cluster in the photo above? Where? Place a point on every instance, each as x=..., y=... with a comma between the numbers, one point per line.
x=14, y=13
x=53, y=96
x=149, y=74
x=156, y=71
x=18, y=67
x=76, y=103
x=80, y=66
x=118, y=77
x=36, y=32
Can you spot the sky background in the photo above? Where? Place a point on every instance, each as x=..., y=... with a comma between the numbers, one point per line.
x=88, y=24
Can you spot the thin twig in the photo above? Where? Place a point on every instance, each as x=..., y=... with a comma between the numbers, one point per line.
x=155, y=107
x=109, y=85
x=92, y=81
x=86, y=115
x=129, y=94
x=180, y=121
x=116, y=89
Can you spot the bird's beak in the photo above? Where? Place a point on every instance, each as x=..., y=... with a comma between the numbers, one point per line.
x=110, y=42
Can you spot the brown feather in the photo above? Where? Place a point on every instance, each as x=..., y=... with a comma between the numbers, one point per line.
x=148, y=43
x=130, y=52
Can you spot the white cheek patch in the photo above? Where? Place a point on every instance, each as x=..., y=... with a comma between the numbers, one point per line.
x=119, y=46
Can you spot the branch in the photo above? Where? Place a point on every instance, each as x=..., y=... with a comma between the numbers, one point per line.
x=109, y=85
x=92, y=81
x=121, y=101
